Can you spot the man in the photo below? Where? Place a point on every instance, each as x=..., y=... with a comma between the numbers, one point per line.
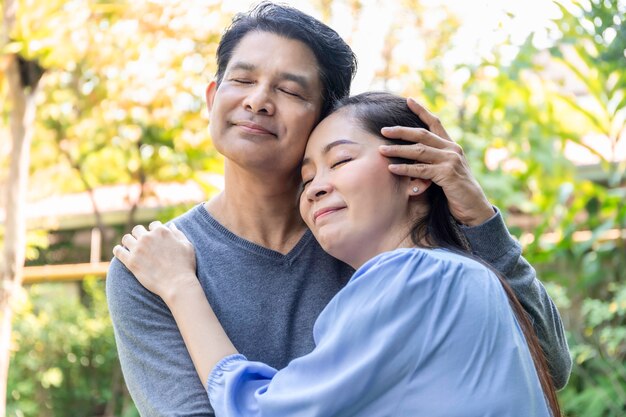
x=265, y=276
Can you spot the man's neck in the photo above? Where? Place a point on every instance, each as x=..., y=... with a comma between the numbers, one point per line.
x=261, y=208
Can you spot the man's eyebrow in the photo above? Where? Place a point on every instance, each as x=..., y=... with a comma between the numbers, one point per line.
x=331, y=145
x=240, y=65
x=298, y=79
x=290, y=76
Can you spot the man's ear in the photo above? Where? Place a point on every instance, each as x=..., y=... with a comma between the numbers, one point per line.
x=210, y=94
x=416, y=186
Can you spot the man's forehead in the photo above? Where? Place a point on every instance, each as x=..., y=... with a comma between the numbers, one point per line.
x=259, y=48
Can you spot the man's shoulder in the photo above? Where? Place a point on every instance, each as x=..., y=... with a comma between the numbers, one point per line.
x=192, y=218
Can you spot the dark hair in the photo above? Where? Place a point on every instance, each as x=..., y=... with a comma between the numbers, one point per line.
x=437, y=228
x=337, y=63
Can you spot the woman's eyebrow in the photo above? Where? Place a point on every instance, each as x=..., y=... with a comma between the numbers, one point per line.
x=338, y=142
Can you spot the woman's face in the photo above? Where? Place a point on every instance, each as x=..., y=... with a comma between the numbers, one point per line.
x=353, y=204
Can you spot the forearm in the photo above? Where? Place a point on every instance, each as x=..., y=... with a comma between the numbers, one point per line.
x=152, y=353
x=202, y=332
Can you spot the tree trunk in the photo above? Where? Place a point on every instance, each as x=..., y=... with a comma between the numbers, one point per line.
x=22, y=79
x=21, y=119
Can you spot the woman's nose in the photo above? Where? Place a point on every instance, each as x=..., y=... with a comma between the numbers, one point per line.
x=318, y=189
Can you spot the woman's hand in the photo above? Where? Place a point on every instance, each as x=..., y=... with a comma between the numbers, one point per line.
x=438, y=158
x=164, y=262
x=161, y=258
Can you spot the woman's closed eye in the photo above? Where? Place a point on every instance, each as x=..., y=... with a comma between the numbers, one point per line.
x=340, y=162
x=307, y=181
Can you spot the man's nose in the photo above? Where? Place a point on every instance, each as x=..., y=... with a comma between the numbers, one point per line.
x=259, y=100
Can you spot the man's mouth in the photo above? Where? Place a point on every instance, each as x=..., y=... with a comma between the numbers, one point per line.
x=254, y=128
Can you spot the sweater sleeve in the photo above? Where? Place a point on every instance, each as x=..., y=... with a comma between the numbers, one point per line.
x=366, y=344
x=492, y=242
x=157, y=368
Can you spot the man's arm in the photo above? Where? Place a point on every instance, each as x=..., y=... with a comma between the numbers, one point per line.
x=439, y=159
x=157, y=368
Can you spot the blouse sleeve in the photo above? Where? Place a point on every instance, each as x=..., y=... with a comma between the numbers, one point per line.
x=367, y=341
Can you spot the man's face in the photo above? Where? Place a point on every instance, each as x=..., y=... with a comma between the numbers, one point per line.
x=267, y=103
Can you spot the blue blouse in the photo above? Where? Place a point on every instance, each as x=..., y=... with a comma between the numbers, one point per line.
x=416, y=332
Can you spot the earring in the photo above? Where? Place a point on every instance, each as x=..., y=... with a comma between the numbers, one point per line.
x=416, y=190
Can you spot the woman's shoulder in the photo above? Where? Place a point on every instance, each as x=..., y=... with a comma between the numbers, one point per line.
x=423, y=267
x=420, y=260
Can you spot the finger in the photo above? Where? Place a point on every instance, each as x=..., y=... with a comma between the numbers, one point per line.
x=122, y=254
x=418, y=153
x=139, y=231
x=129, y=241
x=432, y=121
x=153, y=225
x=421, y=171
x=178, y=233
x=413, y=134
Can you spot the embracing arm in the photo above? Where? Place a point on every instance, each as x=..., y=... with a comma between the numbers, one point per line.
x=439, y=159
x=367, y=339
x=163, y=261
x=156, y=365
x=202, y=332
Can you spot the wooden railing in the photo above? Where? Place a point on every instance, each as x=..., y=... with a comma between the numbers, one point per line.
x=60, y=273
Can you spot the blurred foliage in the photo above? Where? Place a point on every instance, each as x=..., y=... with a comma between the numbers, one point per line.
x=123, y=95
x=527, y=114
x=122, y=102
x=64, y=360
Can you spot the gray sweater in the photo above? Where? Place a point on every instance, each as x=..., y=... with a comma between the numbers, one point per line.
x=267, y=303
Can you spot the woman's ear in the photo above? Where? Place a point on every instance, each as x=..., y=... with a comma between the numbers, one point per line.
x=416, y=187
x=210, y=94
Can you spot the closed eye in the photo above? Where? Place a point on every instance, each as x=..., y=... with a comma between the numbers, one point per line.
x=343, y=161
x=241, y=81
x=290, y=93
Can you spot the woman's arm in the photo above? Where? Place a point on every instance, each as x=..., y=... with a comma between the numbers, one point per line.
x=413, y=334
x=163, y=261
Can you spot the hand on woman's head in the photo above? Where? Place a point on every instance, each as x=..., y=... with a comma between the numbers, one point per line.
x=435, y=156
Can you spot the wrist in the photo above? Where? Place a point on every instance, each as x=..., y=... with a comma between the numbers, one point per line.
x=181, y=289
x=477, y=216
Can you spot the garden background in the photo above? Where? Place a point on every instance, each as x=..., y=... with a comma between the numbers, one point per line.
x=107, y=98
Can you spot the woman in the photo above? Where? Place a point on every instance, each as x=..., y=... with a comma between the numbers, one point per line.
x=421, y=329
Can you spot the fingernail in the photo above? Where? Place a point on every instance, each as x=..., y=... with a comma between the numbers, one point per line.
x=384, y=147
x=394, y=167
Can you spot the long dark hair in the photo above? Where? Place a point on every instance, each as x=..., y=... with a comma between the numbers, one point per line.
x=437, y=228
